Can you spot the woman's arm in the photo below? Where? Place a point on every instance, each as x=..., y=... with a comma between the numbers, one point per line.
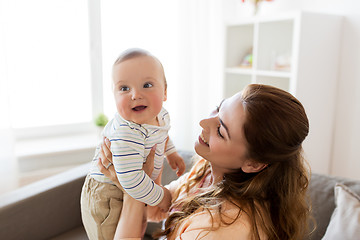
x=131, y=219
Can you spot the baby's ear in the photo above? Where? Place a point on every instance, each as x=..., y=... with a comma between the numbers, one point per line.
x=253, y=167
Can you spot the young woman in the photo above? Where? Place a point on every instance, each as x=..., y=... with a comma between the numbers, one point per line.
x=251, y=181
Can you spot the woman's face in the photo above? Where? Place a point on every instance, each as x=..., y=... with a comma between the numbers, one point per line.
x=222, y=140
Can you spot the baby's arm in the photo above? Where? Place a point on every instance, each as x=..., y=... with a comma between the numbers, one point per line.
x=177, y=163
x=128, y=164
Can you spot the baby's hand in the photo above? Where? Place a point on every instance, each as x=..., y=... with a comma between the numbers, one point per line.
x=177, y=163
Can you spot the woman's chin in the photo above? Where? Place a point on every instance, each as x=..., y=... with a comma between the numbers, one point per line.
x=197, y=148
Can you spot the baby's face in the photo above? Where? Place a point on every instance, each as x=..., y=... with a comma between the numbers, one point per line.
x=139, y=89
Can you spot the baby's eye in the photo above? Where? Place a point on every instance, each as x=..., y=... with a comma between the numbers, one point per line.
x=124, y=88
x=148, y=85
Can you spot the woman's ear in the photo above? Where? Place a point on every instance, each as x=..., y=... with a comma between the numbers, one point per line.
x=253, y=167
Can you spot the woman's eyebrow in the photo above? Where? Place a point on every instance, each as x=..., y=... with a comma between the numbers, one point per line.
x=226, y=128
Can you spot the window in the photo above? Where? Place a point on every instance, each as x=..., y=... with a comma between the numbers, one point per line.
x=47, y=49
x=45, y=63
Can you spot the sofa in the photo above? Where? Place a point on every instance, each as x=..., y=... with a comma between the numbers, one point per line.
x=50, y=208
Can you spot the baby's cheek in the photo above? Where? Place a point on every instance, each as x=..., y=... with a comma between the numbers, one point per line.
x=122, y=107
x=157, y=103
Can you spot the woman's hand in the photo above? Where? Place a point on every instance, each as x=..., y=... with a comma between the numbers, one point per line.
x=148, y=166
x=106, y=166
x=105, y=163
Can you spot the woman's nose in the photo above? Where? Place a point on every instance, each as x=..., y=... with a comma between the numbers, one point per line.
x=207, y=122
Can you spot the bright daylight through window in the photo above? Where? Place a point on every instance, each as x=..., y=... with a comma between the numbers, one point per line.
x=54, y=57
x=46, y=56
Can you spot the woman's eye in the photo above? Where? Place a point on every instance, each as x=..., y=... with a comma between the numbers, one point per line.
x=124, y=88
x=219, y=133
x=148, y=85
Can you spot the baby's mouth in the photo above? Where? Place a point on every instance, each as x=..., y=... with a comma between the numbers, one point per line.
x=139, y=108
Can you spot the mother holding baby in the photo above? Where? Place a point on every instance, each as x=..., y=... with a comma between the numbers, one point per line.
x=250, y=182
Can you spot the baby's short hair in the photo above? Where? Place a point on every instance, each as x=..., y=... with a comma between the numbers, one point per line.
x=138, y=52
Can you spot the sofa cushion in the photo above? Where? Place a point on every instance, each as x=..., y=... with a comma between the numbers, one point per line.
x=321, y=192
x=345, y=220
x=74, y=234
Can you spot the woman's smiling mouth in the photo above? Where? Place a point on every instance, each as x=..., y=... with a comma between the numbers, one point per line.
x=202, y=140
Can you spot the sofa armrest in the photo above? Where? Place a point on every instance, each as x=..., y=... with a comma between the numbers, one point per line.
x=51, y=206
x=45, y=208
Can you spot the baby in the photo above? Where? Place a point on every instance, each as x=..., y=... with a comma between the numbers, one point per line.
x=139, y=124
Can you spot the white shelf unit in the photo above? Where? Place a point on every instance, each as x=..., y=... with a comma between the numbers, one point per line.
x=297, y=52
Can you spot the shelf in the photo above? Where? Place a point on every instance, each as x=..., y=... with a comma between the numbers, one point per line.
x=238, y=70
x=306, y=46
x=280, y=74
x=250, y=71
x=239, y=43
x=275, y=44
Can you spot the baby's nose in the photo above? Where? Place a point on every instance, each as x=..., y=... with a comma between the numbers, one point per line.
x=136, y=94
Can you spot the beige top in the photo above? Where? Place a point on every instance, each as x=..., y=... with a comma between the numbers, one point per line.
x=199, y=225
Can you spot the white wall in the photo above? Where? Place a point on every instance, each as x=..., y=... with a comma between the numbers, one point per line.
x=346, y=142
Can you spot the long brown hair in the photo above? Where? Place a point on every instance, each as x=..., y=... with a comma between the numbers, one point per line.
x=275, y=198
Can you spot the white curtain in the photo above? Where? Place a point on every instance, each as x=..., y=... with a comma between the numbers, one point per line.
x=8, y=167
x=199, y=78
x=8, y=163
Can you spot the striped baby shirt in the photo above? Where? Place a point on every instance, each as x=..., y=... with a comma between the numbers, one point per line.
x=130, y=145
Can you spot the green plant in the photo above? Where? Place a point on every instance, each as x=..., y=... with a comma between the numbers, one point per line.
x=101, y=120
